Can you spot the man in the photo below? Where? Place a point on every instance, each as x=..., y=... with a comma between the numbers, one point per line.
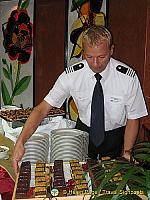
x=123, y=99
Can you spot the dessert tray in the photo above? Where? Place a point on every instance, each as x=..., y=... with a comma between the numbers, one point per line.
x=60, y=180
x=23, y=114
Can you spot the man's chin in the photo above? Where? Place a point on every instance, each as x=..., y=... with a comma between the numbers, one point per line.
x=97, y=70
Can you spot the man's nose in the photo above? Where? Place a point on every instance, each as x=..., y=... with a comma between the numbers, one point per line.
x=95, y=61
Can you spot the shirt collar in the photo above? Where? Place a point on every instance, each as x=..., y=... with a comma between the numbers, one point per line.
x=104, y=73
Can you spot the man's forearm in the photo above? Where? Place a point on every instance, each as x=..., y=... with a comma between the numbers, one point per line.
x=131, y=133
x=35, y=118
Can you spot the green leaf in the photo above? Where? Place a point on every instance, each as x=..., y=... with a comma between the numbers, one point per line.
x=139, y=169
x=148, y=183
x=142, y=156
x=5, y=94
x=10, y=69
x=76, y=4
x=142, y=144
x=147, y=133
x=129, y=197
x=6, y=73
x=4, y=61
x=21, y=85
x=139, y=179
x=125, y=179
x=102, y=197
x=109, y=176
x=142, y=150
x=120, y=197
x=25, y=4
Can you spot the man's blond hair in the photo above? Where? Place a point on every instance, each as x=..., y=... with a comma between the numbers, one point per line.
x=94, y=35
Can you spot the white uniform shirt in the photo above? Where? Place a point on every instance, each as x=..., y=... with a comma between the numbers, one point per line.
x=123, y=97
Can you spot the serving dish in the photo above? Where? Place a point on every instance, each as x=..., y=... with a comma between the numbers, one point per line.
x=4, y=152
x=54, y=171
x=22, y=114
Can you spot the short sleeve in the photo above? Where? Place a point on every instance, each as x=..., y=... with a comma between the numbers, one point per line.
x=59, y=92
x=135, y=105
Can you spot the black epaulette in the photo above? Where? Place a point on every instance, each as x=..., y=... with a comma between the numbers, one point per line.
x=125, y=70
x=74, y=68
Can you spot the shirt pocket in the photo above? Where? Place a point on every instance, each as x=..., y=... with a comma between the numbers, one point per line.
x=115, y=109
x=82, y=100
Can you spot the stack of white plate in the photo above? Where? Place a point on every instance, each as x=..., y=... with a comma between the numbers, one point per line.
x=37, y=148
x=68, y=144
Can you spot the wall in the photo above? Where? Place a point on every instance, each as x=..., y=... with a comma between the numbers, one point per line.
x=49, y=45
x=127, y=21
x=146, y=82
x=130, y=23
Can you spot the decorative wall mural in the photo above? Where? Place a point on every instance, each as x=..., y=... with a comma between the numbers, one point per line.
x=18, y=36
x=89, y=12
x=81, y=14
x=17, y=43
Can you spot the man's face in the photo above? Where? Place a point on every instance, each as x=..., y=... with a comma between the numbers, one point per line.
x=97, y=56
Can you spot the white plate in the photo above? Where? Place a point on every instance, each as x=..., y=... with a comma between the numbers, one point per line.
x=9, y=107
x=33, y=156
x=66, y=143
x=5, y=158
x=66, y=139
x=37, y=141
x=38, y=136
x=69, y=151
x=4, y=153
x=37, y=145
x=36, y=154
x=67, y=131
x=66, y=158
x=66, y=149
x=33, y=160
x=40, y=149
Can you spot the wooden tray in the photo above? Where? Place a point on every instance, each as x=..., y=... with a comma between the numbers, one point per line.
x=23, y=114
x=74, y=197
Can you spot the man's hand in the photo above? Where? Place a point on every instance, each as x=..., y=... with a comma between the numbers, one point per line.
x=127, y=155
x=131, y=132
x=17, y=155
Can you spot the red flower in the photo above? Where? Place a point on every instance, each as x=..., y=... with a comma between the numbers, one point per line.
x=18, y=36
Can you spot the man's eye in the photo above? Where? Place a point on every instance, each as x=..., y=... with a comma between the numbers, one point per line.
x=89, y=57
x=101, y=56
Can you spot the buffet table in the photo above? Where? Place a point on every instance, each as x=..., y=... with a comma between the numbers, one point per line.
x=11, y=189
x=7, y=176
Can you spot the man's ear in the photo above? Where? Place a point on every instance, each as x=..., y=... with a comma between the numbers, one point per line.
x=82, y=54
x=112, y=49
